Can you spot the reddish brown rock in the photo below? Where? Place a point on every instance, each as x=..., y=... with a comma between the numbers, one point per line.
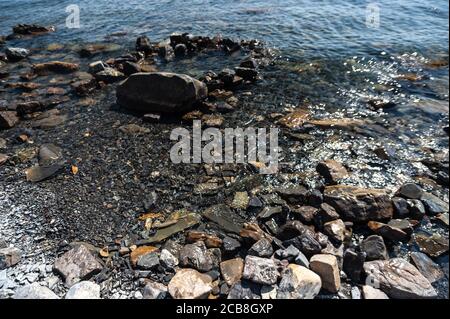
x=359, y=204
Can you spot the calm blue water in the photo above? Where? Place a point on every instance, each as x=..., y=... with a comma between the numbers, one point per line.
x=308, y=27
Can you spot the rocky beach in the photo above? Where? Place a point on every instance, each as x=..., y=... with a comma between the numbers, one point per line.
x=93, y=207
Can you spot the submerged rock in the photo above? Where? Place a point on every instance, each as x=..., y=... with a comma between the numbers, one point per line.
x=154, y=290
x=55, y=67
x=232, y=270
x=32, y=29
x=427, y=267
x=160, y=92
x=359, y=204
x=399, y=279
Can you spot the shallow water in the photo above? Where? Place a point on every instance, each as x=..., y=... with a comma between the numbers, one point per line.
x=313, y=28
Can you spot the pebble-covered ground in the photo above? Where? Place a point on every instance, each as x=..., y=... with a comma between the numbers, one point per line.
x=91, y=205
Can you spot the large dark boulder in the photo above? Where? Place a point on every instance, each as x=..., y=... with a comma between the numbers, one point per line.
x=160, y=92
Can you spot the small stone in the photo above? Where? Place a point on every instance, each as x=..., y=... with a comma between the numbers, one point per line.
x=416, y=209
x=84, y=290
x=37, y=174
x=8, y=119
x=332, y=171
x=325, y=214
x=302, y=260
x=240, y=201
x=134, y=129
x=148, y=261
x=299, y=282
x=399, y=279
x=34, y=291
x=269, y=292
x=354, y=264
x=151, y=118
x=55, y=67
x=387, y=231
x=372, y=293
x=180, y=50
x=262, y=248
x=96, y=67
x=260, y=270
x=410, y=191
x=196, y=256
x=245, y=290
x=335, y=230
x=143, y=44
x=9, y=257
x=304, y=213
x=433, y=245
x=433, y=205
x=3, y=158
x=289, y=253
x=358, y=204
x=154, y=290
x=77, y=264
x=374, y=248
x=326, y=266
x=427, y=267
x=16, y=54
x=137, y=253
x=168, y=260
x=190, y=284
x=442, y=219
x=401, y=208
x=232, y=270
x=246, y=73
x=249, y=63
x=109, y=75
x=129, y=68
x=230, y=245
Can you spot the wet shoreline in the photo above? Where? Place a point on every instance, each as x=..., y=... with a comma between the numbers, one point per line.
x=111, y=177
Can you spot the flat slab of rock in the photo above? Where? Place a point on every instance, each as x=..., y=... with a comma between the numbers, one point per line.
x=427, y=267
x=77, y=264
x=326, y=266
x=359, y=204
x=160, y=92
x=190, y=284
x=332, y=171
x=84, y=290
x=260, y=270
x=299, y=282
x=399, y=279
x=34, y=291
x=154, y=290
x=55, y=67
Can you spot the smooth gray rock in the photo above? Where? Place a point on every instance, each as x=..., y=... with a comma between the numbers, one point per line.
x=84, y=290
x=34, y=291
